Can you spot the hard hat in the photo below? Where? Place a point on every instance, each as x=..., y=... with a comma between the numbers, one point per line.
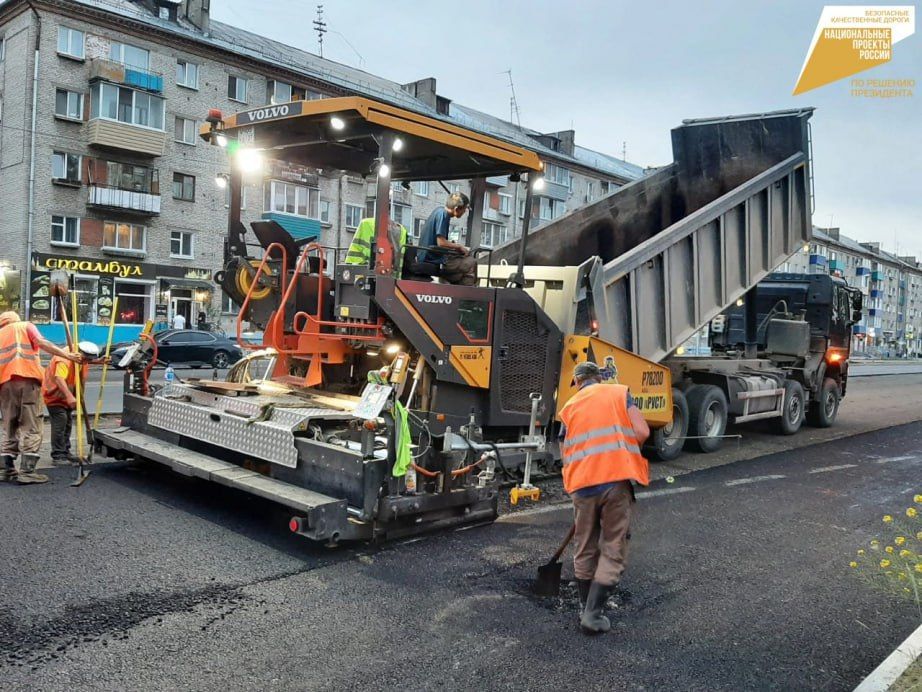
x=8, y=317
x=586, y=369
x=88, y=348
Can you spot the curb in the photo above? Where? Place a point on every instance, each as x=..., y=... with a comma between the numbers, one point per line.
x=894, y=665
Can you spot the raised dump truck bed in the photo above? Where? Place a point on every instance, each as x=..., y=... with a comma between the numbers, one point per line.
x=683, y=243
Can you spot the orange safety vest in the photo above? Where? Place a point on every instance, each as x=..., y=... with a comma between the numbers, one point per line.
x=600, y=445
x=17, y=357
x=51, y=393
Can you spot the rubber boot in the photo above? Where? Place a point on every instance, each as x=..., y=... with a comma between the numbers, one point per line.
x=582, y=587
x=27, y=473
x=8, y=473
x=593, y=620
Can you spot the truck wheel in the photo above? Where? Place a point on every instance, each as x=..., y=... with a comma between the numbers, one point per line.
x=665, y=443
x=792, y=417
x=707, y=417
x=822, y=412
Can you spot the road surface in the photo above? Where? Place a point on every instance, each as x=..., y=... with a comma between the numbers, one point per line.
x=739, y=580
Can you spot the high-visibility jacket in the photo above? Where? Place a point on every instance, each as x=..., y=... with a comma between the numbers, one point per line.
x=18, y=358
x=360, y=250
x=65, y=369
x=600, y=445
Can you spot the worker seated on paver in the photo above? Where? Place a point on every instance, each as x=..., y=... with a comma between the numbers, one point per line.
x=359, y=251
x=452, y=260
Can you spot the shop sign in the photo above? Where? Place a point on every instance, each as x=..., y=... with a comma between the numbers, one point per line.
x=123, y=270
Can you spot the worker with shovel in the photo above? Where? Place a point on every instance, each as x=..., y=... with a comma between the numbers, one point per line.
x=21, y=378
x=58, y=391
x=600, y=446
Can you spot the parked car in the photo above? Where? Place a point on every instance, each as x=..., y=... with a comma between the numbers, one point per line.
x=190, y=347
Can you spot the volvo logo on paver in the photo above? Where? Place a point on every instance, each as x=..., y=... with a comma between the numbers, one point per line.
x=270, y=113
x=444, y=300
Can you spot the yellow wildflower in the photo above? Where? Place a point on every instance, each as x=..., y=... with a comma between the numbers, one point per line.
x=852, y=564
x=889, y=549
x=917, y=499
x=911, y=512
x=887, y=518
x=899, y=540
x=901, y=576
x=861, y=552
x=876, y=543
x=919, y=567
x=905, y=553
x=919, y=536
x=884, y=564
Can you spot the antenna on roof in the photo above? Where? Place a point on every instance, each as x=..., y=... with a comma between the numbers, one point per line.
x=320, y=27
x=624, y=151
x=513, y=104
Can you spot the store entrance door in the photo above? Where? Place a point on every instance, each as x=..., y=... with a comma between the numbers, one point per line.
x=181, y=304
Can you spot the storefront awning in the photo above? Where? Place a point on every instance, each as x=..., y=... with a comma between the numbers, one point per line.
x=194, y=284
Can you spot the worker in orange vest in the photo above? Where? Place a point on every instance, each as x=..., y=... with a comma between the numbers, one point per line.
x=58, y=393
x=21, y=378
x=600, y=446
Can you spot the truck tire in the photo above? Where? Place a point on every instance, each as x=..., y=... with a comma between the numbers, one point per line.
x=707, y=417
x=665, y=443
x=792, y=417
x=822, y=412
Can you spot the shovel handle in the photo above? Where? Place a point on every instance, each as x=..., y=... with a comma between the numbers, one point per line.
x=563, y=546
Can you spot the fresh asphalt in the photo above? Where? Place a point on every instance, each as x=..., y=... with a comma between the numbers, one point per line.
x=738, y=579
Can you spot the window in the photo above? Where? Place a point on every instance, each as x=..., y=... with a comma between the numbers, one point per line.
x=129, y=55
x=590, y=191
x=70, y=42
x=279, y=92
x=521, y=210
x=237, y=88
x=184, y=131
x=85, y=288
x=402, y=214
x=184, y=187
x=474, y=318
x=187, y=74
x=134, y=302
x=557, y=174
x=65, y=167
x=505, y=203
x=287, y=198
x=324, y=211
x=607, y=187
x=126, y=176
x=418, y=225
x=68, y=104
x=494, y=234
x=353, y=215
x=421, y=188
x=453, y=188
x=124, y=236
x=111, y=102
x=551, y=209
x=243, y=197
x=65, y=230
x=181, y=244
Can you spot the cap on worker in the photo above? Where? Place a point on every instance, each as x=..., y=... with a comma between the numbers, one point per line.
x=8, y=317
x=586, y=369
x=88, y=348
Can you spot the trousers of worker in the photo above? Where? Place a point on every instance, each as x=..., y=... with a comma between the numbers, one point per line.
x=603, y=529
x=21, y=408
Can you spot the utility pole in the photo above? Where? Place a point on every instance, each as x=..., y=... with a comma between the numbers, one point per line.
x=514, y=114
x=320, y=27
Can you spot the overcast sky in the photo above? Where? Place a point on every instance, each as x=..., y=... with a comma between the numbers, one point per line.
x=621, y=71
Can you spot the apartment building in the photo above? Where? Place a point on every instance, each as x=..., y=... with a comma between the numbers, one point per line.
x=103, y=173
x=891, y=285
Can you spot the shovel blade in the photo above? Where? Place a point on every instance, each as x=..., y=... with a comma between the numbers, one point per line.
x=548, y=580
x=81, y=478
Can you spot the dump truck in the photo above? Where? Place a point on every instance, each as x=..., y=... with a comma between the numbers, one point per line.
x=691, y=245
x=394, y=404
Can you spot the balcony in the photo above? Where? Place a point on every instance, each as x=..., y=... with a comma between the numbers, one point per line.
x=819, y=260
x=554, y=191
x=837, y=266
x=498, y=180
x=877, y=276
x=490, y=214
x=876, y=293
x=859, y=329
x=874, y=312
x=111, y=134
x=861, y=271
x=104, y=197
x=118, y=73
